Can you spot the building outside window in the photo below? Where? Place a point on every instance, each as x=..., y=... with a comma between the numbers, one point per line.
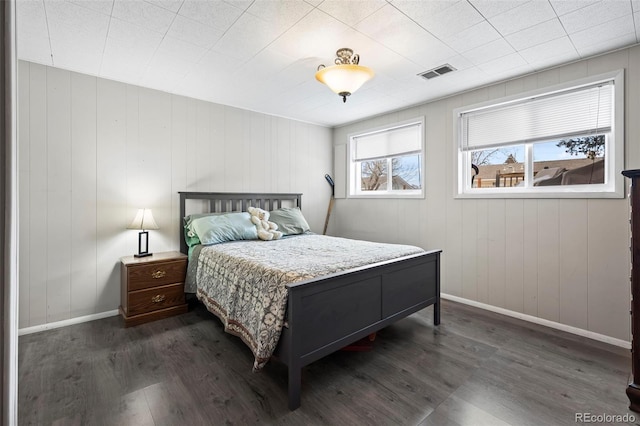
x=562, y=142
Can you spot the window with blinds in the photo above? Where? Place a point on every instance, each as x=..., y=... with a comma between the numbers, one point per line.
x=566, y=142
x=387, y=162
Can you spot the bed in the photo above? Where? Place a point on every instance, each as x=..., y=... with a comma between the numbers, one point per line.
x=327, y=312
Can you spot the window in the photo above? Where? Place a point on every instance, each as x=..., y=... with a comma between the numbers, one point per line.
x=387, y=162
x=565, y=142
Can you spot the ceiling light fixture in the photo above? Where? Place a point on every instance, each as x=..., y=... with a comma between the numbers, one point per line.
x=346, y=76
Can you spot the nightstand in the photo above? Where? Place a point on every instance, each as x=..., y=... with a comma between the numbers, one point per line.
x=152, y=287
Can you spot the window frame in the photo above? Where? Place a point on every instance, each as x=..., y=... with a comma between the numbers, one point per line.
x=354, y=170
x=614, y=148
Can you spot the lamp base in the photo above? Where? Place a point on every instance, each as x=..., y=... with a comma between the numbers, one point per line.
x=143, y=245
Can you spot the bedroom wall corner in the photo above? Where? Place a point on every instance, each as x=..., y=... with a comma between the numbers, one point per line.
x=92, y=151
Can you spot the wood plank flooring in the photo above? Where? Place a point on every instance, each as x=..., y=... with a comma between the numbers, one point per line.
x=476, y=368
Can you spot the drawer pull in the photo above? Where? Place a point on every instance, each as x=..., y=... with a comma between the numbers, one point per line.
x=158, y=298
x=158, y=274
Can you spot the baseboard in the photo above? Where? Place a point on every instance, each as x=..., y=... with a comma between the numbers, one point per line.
x=64, y=323
x=530, y=318
x=541, y=321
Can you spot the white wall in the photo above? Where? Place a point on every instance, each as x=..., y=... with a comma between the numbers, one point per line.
x=92, y=151
x=563, y=260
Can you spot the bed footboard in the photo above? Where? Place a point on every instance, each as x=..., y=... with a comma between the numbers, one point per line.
x=328, y=313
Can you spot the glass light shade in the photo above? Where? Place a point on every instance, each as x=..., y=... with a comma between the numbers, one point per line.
x=344, y=79
x=143, y=220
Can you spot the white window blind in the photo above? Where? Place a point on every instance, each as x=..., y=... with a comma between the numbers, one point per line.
x=397, y=141
x=586, y=110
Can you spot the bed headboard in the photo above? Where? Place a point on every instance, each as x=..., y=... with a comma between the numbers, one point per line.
x=221, y=202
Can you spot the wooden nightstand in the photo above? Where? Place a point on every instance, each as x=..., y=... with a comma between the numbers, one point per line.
x=152, y=287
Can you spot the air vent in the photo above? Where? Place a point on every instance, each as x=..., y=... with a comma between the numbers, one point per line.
x=437, y=71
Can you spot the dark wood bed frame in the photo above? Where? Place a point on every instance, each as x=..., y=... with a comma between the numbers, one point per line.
x=328, y=313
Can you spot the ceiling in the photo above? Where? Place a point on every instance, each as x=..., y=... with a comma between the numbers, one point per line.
x=262, y=55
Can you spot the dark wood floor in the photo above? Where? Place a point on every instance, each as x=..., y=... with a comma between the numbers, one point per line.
x=475, y=368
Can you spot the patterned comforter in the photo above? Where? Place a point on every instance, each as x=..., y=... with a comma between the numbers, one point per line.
x=244, y=282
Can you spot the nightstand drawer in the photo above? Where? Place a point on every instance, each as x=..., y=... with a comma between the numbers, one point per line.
x=152, y=299
x=156, y=274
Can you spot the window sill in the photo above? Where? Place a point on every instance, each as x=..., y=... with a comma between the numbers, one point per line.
x=388, y=195
x=506, y=193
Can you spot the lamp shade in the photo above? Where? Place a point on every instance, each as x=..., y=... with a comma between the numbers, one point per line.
x=143, y=220
x=344, y=79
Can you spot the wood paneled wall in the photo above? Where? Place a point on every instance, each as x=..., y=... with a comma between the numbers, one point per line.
x=92, y=151
x=563, y=260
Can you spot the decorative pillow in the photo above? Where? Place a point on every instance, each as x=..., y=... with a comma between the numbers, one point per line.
x=290, y=220
x=219, y=228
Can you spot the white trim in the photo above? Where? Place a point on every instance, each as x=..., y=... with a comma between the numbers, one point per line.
x=541, y=321
x=10, y=222
x=64, y=323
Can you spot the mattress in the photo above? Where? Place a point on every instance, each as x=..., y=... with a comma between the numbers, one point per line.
x=244, y=282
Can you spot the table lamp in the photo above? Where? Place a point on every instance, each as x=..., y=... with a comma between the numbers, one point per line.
x=143, y=220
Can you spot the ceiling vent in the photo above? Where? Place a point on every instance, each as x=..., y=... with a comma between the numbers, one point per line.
x=437, y=71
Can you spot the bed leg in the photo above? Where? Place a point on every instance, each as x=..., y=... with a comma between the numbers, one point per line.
x=295, y=382
x=436, y=313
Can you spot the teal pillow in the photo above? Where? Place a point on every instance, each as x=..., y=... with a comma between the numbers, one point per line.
x=214, y=229
x=290, y=221
x=188, y=220
x=190, y=236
